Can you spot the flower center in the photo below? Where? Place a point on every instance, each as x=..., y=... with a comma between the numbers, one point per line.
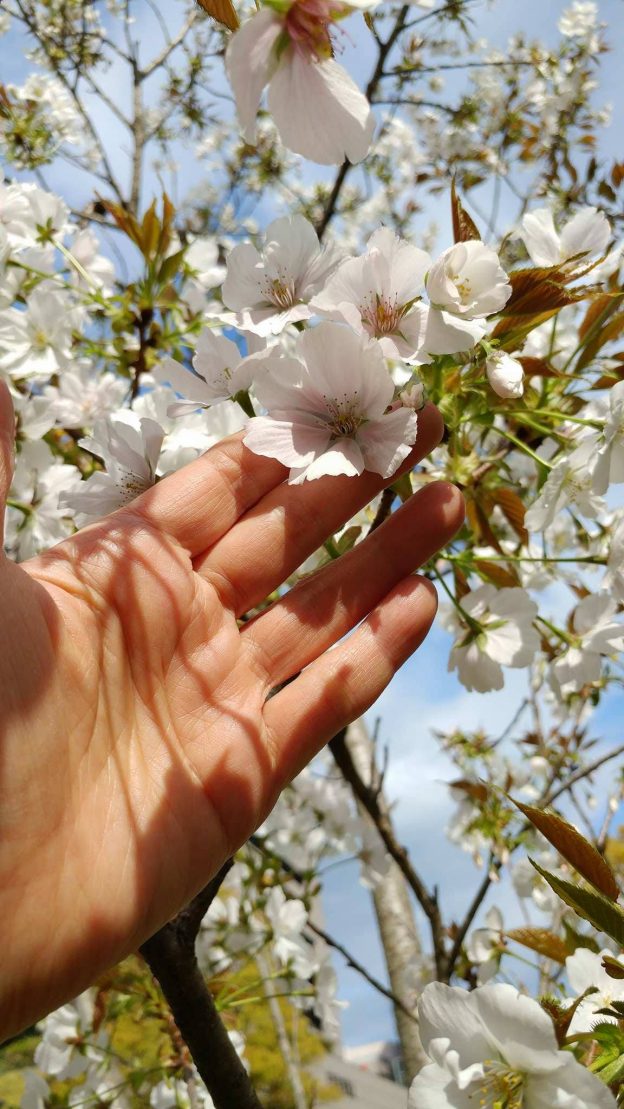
x=39, y=340
x=463, y=286
x=307, y=26
x=280, y=292
x=343, y=418
x=381, y=316
x=500, y=1087
x=577, y=485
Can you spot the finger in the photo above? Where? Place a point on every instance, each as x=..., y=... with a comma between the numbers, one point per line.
x=316, y=613
x=291, y=521
x=345, y=682
x=201, y=502
x=7, y=442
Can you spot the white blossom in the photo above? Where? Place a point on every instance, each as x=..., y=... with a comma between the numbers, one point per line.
x=594, y=633
x=378, y=293
x=37, y=516
x=587, y=233
x=464, y=285
x=327, y=409
x=495, y=1047
x=219, y=373
x=36, y=341
x=585, y=971
x=274, y=288
x=608, y=467
x=129, y=446
x=569, y=483
x=288, y=918
x=504, y=635
x=484, y=945
x=84, y=395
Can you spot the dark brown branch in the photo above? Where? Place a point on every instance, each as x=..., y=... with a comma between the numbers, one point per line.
x=385, y=49
x=368, y=796
x=171, y=957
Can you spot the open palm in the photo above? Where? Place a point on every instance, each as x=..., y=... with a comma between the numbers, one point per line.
x=140, y=743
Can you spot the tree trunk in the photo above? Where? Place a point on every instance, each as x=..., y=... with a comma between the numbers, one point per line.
x=395, y=918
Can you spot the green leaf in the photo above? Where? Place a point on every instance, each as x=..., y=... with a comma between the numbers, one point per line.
x=588, y=904
x=581, y=854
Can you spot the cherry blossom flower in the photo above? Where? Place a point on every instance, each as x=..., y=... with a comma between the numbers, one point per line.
x=466, y=284
x=608, y=467
x=500, y=633
x=594, y=633
x=36, y=341
x=288, y=917
x=272, y=289
x=568, y=483
x=496, y=1047
x=219, y=373
x=84, y=395
x=38, y=516
x=58, y=1052
x=129, y=446
x=585, y=971
x=317, y=108
x=587, y=233
x=505, y=374
x=485, y=944
x=84, y=248
x=327, y=409
x=36, y=1091
x=377, y=294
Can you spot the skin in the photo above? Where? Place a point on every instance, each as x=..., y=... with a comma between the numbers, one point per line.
x=138, y=745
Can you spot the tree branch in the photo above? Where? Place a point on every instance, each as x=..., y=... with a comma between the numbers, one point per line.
x=352, y=962
x=368, y=796
x=171, y=957
x=384, y=50
x=169, y=47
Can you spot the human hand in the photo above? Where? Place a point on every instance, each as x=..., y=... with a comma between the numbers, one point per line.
x=140, y=748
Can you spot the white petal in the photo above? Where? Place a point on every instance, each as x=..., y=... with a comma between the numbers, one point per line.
x=386, y=443
x=245, y=273
x=250, y=61
x=587, y=233
x=445, y=1012
x=344, y=365
x=319, y=111
x=448, y=334
x=294, y=444
x=519, y=1027
x=343, y=457
x=540, y=238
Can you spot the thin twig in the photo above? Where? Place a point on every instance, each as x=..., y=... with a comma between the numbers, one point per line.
x=352, y=962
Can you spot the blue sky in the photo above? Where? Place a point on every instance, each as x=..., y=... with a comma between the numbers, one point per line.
x=423, y=696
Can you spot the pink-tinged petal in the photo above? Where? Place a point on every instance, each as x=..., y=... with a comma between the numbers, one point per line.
x=291, y=244
x=319, y=111
x=170, y=372
x=386, y=442
x=279, y=388
x=343, y=365
x=250, y=61
x=343, y=457
x=407, y=264
x=293, y=443
x=268, y=320
x=448, y=334
x=242, y=287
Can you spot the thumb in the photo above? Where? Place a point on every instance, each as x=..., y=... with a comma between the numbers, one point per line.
x=7, y=439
